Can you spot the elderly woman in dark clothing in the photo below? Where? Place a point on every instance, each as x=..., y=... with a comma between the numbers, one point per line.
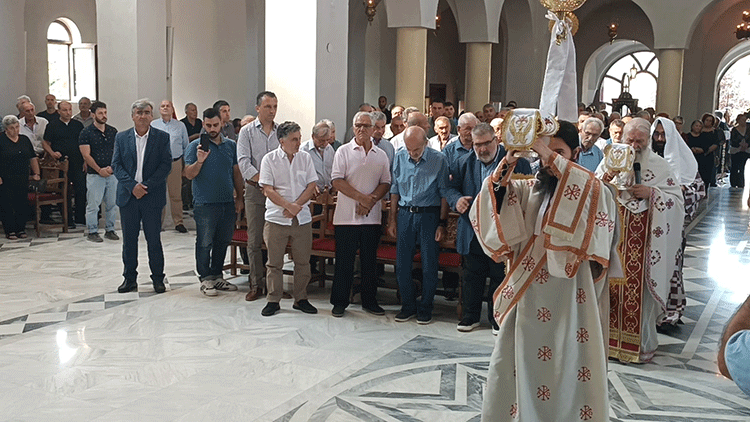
x=17, y=157
x=739, y=147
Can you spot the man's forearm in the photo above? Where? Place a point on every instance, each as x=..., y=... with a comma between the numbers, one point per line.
x=394, y=208
x=239, y=184
x=306, y=195
x=89, y=159
x=381, y=191
x=192, y=171
x=740, y=321
x=344, y=187
x=275, y=197
x=47, y=147
x=443, y=209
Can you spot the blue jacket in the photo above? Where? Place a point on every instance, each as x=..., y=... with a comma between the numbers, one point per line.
x=467, y=180
x=157, y=164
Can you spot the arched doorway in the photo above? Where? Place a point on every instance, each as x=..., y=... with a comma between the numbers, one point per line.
x=734, y=87
x=636, y=73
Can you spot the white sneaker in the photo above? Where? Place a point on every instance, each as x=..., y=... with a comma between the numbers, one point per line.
x=208, y=288
x=221, y=284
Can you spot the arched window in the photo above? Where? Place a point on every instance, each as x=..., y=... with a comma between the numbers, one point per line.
x=734, y=86
x=636, y=73
x=71, y=64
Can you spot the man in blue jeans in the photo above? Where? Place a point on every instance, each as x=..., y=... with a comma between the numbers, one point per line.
x=215, y=174
x=97, y=144
x=418, y=192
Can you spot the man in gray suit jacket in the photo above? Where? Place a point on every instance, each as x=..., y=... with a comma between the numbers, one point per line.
x=141, y=162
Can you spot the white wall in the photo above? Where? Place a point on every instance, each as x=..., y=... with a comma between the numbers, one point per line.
x=12, y=79
x=38, y=15
x=331, y=62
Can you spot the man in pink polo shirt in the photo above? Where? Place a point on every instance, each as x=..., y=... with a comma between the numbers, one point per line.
x=361, y=174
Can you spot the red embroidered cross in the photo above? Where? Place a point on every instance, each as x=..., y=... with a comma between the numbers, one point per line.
x=514, y=410
x=582, y=335
x=512, y=198
x=584, y=374
x=581, y=296
x=572, y=192
x=543, y=314
x=544, y=354
x=543, y=393
x=602, y=219
x=528, y=263
x=586, y=413
x=542, y=277
x=507, y=292
x=658, y=231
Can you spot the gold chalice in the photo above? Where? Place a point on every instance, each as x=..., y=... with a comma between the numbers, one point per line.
x=523, y=126
x=618, y=160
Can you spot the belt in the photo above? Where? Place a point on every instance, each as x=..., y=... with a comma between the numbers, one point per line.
x=417, y=210
x=178, y=158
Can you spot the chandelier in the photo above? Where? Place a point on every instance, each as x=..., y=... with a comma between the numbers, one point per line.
x=743, y=29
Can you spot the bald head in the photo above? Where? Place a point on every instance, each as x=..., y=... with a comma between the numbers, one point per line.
x=415, y=141
x=419, y=120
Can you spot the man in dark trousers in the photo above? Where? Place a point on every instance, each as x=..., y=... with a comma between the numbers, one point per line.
x=468, y=174
x=141, y=163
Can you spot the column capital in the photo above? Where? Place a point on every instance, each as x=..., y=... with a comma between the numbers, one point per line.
x=411, y=13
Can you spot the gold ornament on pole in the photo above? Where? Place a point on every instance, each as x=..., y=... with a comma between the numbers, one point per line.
x=563, y=9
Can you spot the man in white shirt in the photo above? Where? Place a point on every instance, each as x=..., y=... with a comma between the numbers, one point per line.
x=413, y=118
x=443, y=134
x=362, y=176
x=397, y=123
x=33, y=127
x=288, y=180
x=179, y=140
x=321, y=152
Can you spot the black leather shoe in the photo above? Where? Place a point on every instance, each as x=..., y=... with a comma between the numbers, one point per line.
x=374, y=309
x=338, y=311
x=128, y=286
x=159, y=286
x=270, y=309
x=305, y=306
x=181, y=228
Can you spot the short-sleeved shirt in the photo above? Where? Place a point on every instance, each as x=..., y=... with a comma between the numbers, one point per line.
x=323, y=163
x=34, y=133
x=102, y=145
x=15, y=156
x=214, y=184
x=192, y=129
x=64, y=137
x=178, y=135
x=364, y=171
x=386, y=146
x=737, y=358
x=455, y=150
x=590, y=159
x=289, y=179
x=420, y=183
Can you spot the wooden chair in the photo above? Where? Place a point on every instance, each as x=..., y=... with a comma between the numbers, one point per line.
x=55, y=172
x=324, y=243
x=239, y=240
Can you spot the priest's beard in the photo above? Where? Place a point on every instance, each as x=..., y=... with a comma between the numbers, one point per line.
x=547, y=181
x=658, y=147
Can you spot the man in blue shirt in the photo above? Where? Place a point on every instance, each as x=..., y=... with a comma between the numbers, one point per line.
x=734, y=350
x=461, y=146
x=468, y=174
x=590, y=155
x=178, y=138
x=418, y=191
x=215, y=174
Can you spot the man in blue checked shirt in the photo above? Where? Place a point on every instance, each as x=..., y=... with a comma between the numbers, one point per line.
x=418, y=216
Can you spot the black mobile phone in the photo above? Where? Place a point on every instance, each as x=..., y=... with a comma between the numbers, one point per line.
x=205, y=139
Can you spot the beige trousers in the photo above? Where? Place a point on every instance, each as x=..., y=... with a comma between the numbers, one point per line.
x=276, y=237
x=174, y=187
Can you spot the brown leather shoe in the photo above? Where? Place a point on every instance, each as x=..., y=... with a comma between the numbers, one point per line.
x=254, y=294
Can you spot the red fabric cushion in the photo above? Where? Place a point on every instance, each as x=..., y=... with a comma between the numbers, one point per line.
x=387, y=252
x=239, y=236
x=324, y=244
x=45, y=196
x=445, y=259
x=331, y=227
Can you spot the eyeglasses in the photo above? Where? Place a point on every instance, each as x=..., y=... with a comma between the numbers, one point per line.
x=362, y=126
x=659, y=135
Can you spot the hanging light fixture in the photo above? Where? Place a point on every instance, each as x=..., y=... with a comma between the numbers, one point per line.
x=370, y=6
x=633, y=72
x=612, y=31
x=743, y=29
x=437, y=22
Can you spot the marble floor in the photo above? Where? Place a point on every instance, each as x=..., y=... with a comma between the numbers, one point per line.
x=72, y=349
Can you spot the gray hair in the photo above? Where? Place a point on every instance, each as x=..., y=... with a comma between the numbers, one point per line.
x=9, y=120
x=483, y=129
x=408, y=111
x=378, y=116
x=443, y=118
x=363, y=113
x=287, y=128
x=639, y=124
x=466, y=118
x=329, y=123
x=188, y=105
x=321, y=129
x=596, y=121
x=141, y=104
x=22, y=99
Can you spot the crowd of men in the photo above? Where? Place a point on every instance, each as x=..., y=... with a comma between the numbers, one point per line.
x=560, y=231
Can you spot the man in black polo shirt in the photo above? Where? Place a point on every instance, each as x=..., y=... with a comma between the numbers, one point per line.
x=194, y=126
x=50, y=112
x=97, y=144
x=61, y=140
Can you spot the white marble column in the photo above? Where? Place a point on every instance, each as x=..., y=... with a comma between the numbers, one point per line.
x=132, y=55
x=411, y=66
x=478, y=74
x=669, y=86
